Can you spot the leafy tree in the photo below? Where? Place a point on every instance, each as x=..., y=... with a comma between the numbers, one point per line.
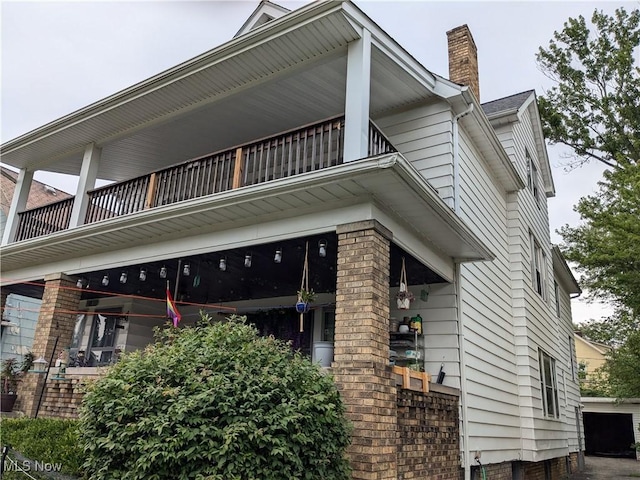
x=612, y=330
x=623, y=368
x=606, y=247
x=594, y=108
x=214, y=402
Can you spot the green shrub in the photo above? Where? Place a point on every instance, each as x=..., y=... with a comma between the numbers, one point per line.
x=215, y=402
x=46, y=440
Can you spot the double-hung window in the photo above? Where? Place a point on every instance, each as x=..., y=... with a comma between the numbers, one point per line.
x=538, y=268
x=532, y=177
x=548, y=384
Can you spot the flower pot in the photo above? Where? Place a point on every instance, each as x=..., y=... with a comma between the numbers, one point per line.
x=403, y=303
x=7, y=400
x=323, y=353
x=302, y=307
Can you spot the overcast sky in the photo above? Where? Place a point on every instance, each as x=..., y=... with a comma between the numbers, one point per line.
x=57, y=57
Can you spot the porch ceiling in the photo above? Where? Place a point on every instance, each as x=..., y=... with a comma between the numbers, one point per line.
x=389, y=181
x=285, y=74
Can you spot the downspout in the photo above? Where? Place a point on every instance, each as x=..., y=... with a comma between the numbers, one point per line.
x=463, y=379
x=456, y=159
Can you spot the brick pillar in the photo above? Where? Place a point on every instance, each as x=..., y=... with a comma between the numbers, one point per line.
x=60, y=296
x=361, y=349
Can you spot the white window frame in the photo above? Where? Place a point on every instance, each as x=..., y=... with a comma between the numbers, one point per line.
x=532, y=177
x=556, y=290
x=538, y=268
x=572, y=356
x=548, y=384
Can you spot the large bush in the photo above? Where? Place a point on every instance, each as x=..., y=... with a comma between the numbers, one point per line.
x=47, y=440
x=215, y=402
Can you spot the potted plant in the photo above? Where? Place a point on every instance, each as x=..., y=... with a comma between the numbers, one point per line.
x=404, y=297
x=11, y=374
x=304, y=298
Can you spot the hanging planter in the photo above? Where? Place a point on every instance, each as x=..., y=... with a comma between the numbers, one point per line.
x=404, y=297
x=305, y=295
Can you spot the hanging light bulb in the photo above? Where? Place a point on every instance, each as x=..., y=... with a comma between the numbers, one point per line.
x=278, y=256
x=247, y=260
x=123, y=277
x=143, y=275
x=186, y=270
x=322, y=248
x=223, y=264
x=79, y=283
x=105, y=280
x=163, y=272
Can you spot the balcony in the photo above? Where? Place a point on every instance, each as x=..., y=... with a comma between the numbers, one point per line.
x=306, y=149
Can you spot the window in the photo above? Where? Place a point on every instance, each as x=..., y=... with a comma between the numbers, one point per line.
x=95, y=337
x=556, y=290
x=532, y=177
x=548, y=384
x=538, y=267
x=572, y=356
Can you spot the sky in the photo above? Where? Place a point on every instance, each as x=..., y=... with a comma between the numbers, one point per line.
x=57, y=57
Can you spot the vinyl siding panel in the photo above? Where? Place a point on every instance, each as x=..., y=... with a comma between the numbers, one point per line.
x=424, y=136
x=536, y=324
x=485, y=296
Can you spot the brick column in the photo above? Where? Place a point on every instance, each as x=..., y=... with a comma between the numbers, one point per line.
x=60, y=296
x=361, y=349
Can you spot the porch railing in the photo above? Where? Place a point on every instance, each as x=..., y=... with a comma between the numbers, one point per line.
x=45, y=220
x=305, y=149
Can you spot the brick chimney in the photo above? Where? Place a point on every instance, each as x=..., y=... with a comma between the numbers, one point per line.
x=463, y=59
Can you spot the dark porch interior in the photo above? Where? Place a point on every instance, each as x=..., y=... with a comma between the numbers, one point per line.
x=207, y=283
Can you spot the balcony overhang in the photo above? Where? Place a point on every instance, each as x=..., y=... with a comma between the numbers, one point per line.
x=288, y=72
x=389, y=181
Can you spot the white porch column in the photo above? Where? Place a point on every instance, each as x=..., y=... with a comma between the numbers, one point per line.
x=18, y=204
x=356, y=109
x=87, y=181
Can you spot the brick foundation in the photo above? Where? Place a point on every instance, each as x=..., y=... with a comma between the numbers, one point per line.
x=428, y=436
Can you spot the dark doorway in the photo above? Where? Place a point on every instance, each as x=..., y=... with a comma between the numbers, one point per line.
x=609, y=434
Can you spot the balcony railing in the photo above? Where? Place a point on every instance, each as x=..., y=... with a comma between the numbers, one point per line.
x=291, y=153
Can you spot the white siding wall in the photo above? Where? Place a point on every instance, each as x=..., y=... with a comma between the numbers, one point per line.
x=536, y=325
x=485, y=302
x=423, y=135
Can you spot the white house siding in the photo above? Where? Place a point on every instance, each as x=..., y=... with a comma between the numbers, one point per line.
x=485, y=302
x=423, y=135
x=439, y=341
x=570, y=387
x=22, y=312
x=535, y=322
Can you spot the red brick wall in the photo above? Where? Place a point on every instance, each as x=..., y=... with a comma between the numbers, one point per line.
x=428, y=436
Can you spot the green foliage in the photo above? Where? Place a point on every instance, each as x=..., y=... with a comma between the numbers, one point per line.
x=623, y=368
x=594, y=384
x=12, y=372
x=593, y=108
x=215, y=402
x=612, y=330
x=46, y=440
x=606, y=247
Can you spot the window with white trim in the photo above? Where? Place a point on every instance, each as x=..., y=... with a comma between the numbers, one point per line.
x=556, y=292
x=538, y=267
x=532, y=177
x=572, y=356
x=548, y=384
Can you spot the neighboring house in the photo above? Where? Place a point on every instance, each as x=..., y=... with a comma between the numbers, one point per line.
x=20, y=313
x=590, y=355
x=313, y=134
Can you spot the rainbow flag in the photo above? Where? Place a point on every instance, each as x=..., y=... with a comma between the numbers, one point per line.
x=172, y=311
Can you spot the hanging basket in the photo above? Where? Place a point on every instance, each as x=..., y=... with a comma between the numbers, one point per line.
x=404, y=297
x=302, y=307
